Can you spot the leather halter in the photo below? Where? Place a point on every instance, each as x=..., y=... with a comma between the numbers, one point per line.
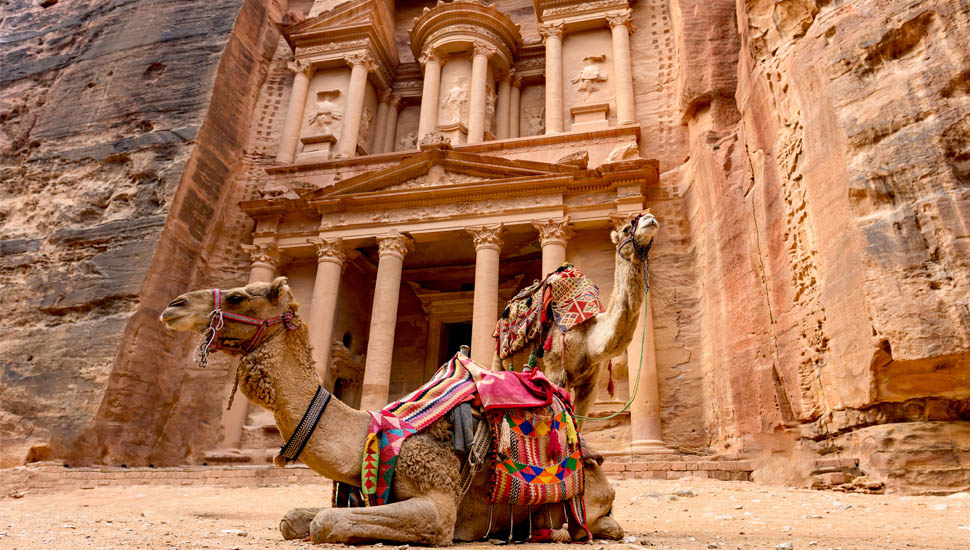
x=639, y=250
x=218, y=318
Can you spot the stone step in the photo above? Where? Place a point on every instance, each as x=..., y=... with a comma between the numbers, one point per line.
x=240, y=456
x=260, y=437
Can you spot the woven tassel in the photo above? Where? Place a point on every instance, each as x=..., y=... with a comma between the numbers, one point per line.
x=548, y=345
x=554, y=448
x=611, y=387
x=532, y=360
x=561, y=534
x=571, y=437
x=505, y=437
x=279, y=461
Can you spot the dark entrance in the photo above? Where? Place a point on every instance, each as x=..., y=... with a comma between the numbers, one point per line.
x=454, y=335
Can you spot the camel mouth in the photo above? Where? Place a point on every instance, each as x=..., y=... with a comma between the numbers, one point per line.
x=173, y=319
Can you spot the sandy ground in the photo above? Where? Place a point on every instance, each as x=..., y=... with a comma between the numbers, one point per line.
x=718, y=515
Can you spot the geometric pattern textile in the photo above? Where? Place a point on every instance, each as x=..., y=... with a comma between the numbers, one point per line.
x=565, y=296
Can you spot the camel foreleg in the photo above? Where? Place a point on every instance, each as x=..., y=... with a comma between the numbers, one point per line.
x=296, y=523
x=426, y=520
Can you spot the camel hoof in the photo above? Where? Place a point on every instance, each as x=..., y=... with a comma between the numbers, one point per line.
x=296, y=523
x=322, y=528
x=607, y=528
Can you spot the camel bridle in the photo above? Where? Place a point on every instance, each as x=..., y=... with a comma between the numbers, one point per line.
x=217, y=319
x=641, y=251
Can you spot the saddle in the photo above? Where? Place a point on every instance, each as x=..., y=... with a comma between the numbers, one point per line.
x=527, y=436
x=565, y=298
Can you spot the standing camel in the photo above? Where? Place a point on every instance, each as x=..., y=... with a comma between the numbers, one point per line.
x=591, y=344
x=278, y=374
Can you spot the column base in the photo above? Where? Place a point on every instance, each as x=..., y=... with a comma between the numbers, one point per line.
x=650, y=447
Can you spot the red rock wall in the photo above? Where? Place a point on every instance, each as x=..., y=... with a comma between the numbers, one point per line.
x=119, y=129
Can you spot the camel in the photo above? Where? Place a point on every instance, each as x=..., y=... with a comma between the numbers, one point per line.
x=591, y=344
x=279, y=375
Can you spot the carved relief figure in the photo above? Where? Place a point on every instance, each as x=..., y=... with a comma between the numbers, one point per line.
x=363, y=135
x=455, y=104
x=407, y=142
x=590, y=76
x=325, y=113
x=490, y=98
x=535, y=121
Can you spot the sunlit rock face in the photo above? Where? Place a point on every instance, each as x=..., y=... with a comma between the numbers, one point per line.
x=809, y=284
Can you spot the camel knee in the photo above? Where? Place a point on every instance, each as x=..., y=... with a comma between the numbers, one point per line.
x=296, y=523
x=606, y=528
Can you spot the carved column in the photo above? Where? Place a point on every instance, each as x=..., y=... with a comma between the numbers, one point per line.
x=323, y=308
x=428, y=120
x=552, y=35
x=478, y=95
x=623, y=68
x=302, y=71
x=553, y=234
x=488, y=244
x=360, y=65
x=514, y=107
x=645, y=433
x=390, y=130
x=265, y=260
x=503, y=107
x=380, y=123
x=380, y=345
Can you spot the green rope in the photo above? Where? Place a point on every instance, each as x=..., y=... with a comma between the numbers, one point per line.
x=636, y=384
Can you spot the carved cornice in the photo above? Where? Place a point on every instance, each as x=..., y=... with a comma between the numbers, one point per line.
x=263, y=255
x=300, y=66
x=550, y=30
x=553, y=230
x=330, y=250
x=486, y=236
x=361, y=58
x=394, y=244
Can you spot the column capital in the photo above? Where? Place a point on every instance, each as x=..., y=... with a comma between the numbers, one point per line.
x=553, y=230
x=623, y=18
x=394, y=102
x=299, y=66
x=329, y=250
x=484, y=48
x=486, y=236
x=550, y=30
x=361, y=58
x=394, y=244
x=431, y=56
x=384, y=96
x=263, y=254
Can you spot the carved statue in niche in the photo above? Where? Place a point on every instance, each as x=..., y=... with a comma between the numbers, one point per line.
x=456, y=103
x=407, y=142
x=589, y=77
x=363, y=135
x=325, y=113
x=535, y=121
x=489, y=107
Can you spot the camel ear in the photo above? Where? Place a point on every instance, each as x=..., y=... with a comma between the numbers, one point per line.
x=615, y=237
x=277, y=289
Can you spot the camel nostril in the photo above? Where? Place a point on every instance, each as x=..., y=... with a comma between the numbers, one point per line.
x=177, y=302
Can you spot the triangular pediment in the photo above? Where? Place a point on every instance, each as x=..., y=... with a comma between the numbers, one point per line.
x=346, y=14
x=436, y=170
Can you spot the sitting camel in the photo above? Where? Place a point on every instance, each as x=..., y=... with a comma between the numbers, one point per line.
x=276, y=371
x=591, y=344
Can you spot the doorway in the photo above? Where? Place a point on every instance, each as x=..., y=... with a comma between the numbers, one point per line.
x=453, y=335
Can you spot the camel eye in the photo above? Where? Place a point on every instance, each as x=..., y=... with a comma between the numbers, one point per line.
x=235, y=298
x=626, y=229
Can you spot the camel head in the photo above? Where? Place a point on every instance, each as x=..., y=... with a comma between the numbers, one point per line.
x=635, y=238
x=242, y=309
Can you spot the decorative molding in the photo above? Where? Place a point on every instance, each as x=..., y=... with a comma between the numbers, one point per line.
x=624, y=18
x=300, y=66
x=330, y=47
x=486, y=236
x=265, y=254
x=394, y=244
x=553, y=230
x=361, y=58
x=329, y=250
x=549, y=30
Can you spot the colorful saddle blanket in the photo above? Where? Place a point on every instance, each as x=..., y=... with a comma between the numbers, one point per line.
x=457, y=381
x=565, y=296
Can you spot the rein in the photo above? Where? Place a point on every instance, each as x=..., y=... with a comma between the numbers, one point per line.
x=217, y=320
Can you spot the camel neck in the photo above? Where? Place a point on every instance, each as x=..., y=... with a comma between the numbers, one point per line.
x=627, y=295
x=335, y=449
